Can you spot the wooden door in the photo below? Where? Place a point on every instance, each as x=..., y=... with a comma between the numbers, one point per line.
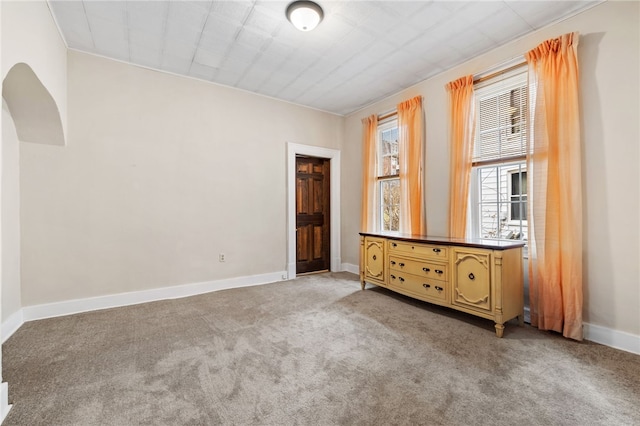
x=312, y=214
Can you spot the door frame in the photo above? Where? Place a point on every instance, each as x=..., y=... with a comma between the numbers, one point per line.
x=333, y=155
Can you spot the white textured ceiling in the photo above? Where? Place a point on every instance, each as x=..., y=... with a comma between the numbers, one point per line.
x=361, y=52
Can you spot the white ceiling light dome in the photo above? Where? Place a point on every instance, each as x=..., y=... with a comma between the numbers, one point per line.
x=304, y=15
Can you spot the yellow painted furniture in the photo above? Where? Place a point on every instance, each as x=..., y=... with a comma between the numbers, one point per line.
x=478, y=276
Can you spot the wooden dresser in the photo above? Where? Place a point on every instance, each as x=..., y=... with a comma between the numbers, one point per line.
x=477, y=276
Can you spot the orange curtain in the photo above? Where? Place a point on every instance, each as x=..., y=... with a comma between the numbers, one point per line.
x=461, y=131
x=555, y=188
x=410, y=131
x=369, y=166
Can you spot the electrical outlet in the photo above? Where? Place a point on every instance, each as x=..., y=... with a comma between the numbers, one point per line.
x=221, y=257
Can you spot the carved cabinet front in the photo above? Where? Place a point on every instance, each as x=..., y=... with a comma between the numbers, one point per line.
x=374, y=259
x=472, y=279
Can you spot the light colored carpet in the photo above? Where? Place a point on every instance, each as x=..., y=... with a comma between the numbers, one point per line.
x=312, y=351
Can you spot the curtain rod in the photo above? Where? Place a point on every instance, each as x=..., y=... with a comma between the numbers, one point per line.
x=498, y=73
x=387, y=115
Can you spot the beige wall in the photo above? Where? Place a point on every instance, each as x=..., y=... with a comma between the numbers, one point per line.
x=29, y=35
x=160, y=174
x=609, y=59
x=10, y=214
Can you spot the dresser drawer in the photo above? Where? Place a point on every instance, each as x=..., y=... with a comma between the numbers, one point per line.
x=418, y=286
x=422, y=250
x=421, y=268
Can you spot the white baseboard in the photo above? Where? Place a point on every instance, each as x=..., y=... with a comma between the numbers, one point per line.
x=11, y=325
x=4, y=401
x=350, y=267
x=69, y=307
x=603, y=335
x=610, y=337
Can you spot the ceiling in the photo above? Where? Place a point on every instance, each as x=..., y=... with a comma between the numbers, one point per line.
x=362, y=51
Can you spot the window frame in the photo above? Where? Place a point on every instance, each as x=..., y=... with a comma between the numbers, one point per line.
x=508, y=164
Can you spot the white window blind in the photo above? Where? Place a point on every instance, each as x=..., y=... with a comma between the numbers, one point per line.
x=501, y=114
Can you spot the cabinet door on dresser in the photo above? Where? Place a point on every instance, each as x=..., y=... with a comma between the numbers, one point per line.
x=471, y=283
x=374, y=259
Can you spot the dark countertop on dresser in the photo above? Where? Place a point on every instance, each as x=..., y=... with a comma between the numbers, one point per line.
x=465, y=242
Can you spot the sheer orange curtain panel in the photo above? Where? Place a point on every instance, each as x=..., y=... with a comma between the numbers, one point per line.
x=369, y=166
x=461, y=133
x=555, y=188
x=410, y=151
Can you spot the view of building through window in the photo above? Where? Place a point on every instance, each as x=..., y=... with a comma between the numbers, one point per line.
x=502, y=208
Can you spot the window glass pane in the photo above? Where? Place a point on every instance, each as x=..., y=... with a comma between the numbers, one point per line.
x=388, y=160
x=489, y=220
x=489, y=207
x=489, y=185
x=390, y=204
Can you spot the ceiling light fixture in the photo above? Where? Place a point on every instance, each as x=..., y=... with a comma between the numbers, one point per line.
x=304, y=15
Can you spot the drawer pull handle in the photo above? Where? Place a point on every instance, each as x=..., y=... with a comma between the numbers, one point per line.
x=439, y=288
x=393, y=277
x=436, y=250
x=393, y=262
x=438, y=271
x=412, y=247
x=394, y=245
x=426, y=269
x=426, y=285
x=374, y=257
x=401, y=265
x=471, y=276
x=401, y=279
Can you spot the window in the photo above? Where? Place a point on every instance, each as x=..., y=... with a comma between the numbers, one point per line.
x=388, y=176
x=499, y=176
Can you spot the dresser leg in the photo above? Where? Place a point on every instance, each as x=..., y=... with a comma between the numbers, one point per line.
x=499, y=329
x=362, y=284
